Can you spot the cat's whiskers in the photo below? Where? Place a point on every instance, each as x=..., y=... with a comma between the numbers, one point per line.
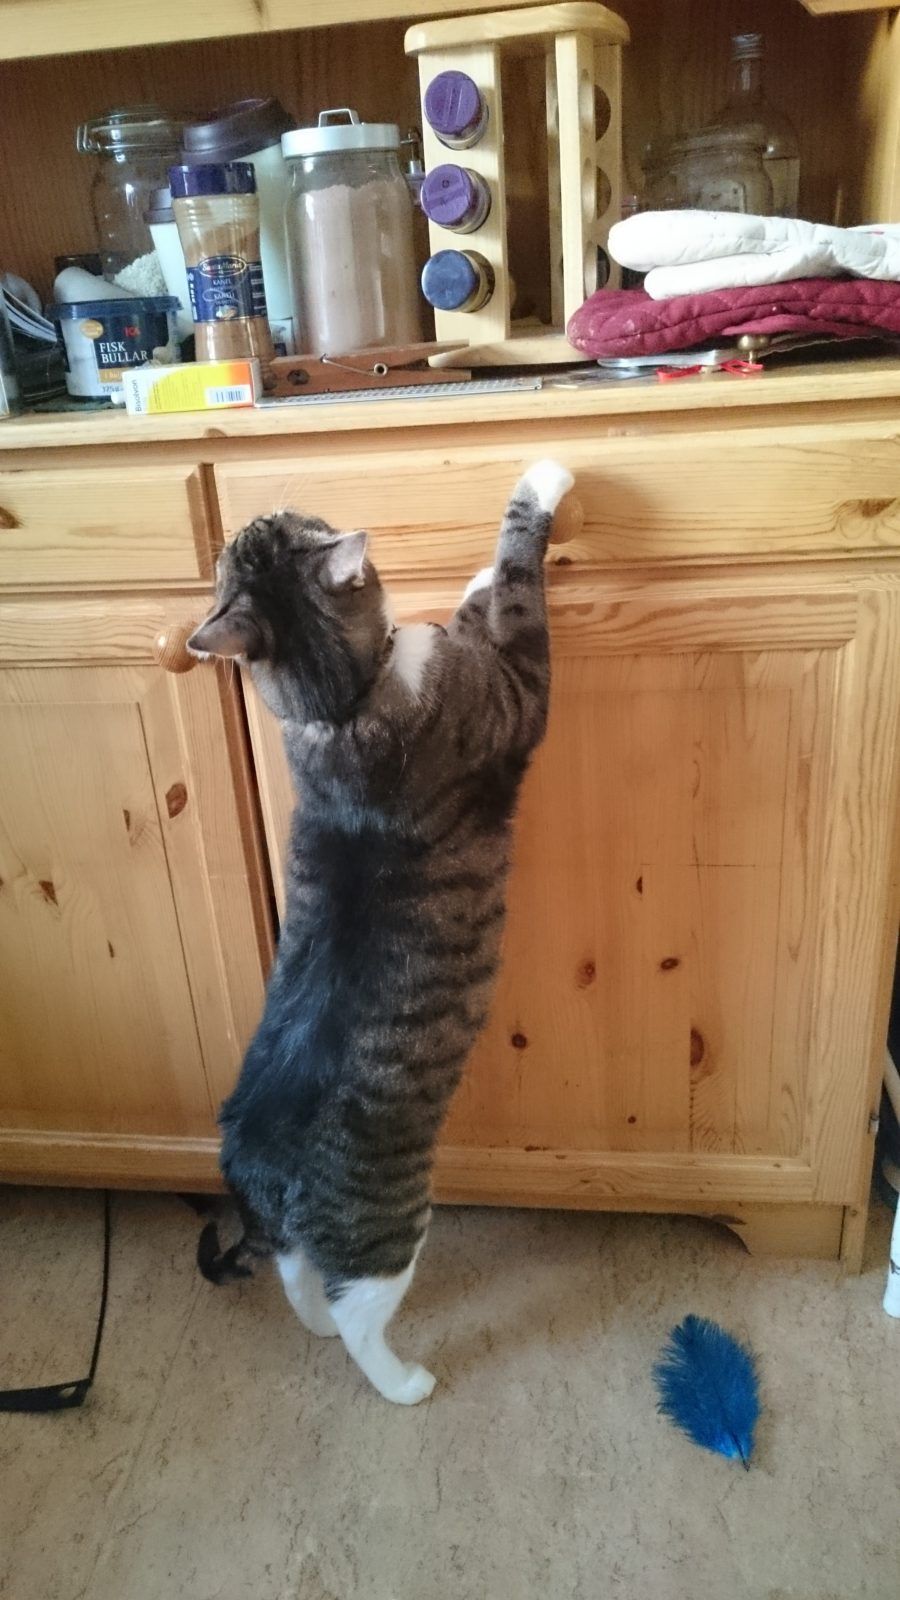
x=294, y=481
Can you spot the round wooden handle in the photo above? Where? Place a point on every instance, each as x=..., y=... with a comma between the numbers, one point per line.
x=170, y=647
x=568, y=520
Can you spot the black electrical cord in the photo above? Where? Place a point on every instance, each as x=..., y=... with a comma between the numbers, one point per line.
x=62, y=1396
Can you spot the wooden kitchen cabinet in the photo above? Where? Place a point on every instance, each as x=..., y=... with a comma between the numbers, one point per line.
x=688, y=1003
x=703, y=908
x=132, y=927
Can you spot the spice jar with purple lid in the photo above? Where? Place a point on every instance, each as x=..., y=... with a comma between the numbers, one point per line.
x=455, y=198
x=456, y=109
x=457, y=280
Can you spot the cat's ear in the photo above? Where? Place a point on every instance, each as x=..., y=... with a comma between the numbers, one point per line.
x=345, y=561
x=230, y=631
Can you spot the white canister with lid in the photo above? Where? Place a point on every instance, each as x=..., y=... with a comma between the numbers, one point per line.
x=349, y=229
x=160, y=219
x=250, y=130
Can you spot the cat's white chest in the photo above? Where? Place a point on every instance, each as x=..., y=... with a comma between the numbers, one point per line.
x=414, y=647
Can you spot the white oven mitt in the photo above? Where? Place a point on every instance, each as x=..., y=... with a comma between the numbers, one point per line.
x=691, y=252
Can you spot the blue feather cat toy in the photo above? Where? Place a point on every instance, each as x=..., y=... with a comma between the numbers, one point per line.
x=709, y=1386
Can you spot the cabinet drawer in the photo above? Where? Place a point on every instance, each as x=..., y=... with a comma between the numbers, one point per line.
x=104, y=525
x=826, y=490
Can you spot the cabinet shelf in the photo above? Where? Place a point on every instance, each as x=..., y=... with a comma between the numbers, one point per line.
x=825, y=383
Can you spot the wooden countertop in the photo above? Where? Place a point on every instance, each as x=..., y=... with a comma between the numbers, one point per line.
x=832, y=383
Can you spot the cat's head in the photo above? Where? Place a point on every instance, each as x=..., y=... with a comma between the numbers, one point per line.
x=305, y=607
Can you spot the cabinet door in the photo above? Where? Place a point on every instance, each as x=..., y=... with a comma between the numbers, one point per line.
x=690, y=1003
x=689, y=1006
x=131, y=937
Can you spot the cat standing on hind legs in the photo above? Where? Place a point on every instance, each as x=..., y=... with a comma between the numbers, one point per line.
x=407, y=748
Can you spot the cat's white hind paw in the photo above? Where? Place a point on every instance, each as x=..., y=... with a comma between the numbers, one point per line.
x=550, y=481
x=415, y=1385
x=481, y=580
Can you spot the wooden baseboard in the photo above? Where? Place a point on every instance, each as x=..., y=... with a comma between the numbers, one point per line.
x=765, y=1203
x=115, y=1161
x=610, y=1180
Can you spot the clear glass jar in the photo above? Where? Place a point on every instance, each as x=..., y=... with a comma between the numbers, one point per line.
x=135, y=149
x=720, y=171
x=349, y=229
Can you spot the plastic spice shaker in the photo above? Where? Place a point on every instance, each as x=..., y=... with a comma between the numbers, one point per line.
x=250, y=130
x=217, y=212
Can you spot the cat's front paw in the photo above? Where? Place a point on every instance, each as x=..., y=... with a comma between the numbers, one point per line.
x=549, y=481
x=415, y=1385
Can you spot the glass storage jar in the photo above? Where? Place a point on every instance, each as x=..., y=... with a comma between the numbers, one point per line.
x=721, y=171
x=135, y=149
x=349, y=229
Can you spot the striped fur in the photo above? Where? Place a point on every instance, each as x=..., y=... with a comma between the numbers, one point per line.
x=407, y=751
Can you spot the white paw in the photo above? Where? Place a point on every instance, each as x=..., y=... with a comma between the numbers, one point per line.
x=550, y=481
x=481, y=580
x=415, y=1385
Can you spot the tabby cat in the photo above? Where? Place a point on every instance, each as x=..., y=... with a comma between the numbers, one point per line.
x=407, y=748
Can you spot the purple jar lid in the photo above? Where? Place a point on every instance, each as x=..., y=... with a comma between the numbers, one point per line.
x=229, y=177
x=449, y=195
x=449, y=279
x=453, y=104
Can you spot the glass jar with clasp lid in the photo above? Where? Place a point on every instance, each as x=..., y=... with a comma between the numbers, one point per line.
x=349, y=230
x=134, y=148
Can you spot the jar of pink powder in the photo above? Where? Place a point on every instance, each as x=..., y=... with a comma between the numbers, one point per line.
x=349, y=229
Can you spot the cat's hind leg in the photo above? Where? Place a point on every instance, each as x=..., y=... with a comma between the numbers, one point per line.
x=305, y=1290
x=362, y=1309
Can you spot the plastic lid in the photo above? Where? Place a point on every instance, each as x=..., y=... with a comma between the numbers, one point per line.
x=160, y=207
x=453, y=103
x=220, y=177
x=63, y=311
x=130, y=128
x=449, y=279
x=449, y=195
x=235, y=131
x=349, y=135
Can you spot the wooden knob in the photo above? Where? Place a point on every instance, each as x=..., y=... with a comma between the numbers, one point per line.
x=170, y=647
x=568, y=520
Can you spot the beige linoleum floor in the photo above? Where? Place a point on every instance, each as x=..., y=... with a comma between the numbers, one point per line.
x=226, y=1455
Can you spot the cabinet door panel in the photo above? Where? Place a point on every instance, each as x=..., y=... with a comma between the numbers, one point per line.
x=132, y=934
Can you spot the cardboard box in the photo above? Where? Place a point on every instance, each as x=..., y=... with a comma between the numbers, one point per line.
x=193, y=386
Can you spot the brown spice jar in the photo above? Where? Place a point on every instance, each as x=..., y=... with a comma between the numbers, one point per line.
x=220, y=238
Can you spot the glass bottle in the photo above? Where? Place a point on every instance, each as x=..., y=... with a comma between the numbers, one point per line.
x=723, y=169
x=747, y=107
